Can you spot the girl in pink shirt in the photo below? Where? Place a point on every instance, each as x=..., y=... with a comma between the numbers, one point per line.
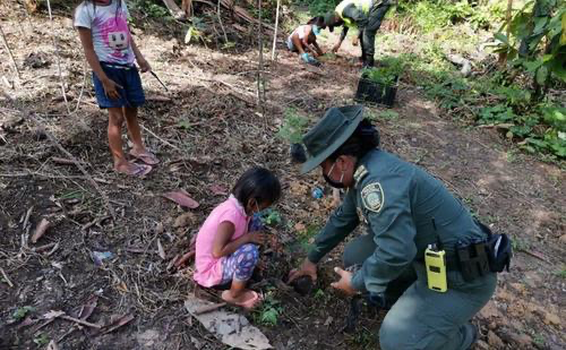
x=226, y=252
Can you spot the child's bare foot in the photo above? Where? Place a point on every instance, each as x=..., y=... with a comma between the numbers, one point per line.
x=145, y=156
x=247, y=299
x=133, y=169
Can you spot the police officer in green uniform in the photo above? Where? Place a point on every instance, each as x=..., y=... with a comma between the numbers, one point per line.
x=366, y=15
x=406, y=211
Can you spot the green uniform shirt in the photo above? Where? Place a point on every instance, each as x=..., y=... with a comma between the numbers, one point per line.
x=402, y=204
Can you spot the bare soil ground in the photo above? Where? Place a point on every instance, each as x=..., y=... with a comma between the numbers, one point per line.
x=207, y=131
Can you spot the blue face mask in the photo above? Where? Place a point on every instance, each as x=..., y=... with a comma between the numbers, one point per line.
x=316, y=30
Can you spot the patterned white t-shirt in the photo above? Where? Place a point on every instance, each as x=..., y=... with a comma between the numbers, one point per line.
x=110, y=33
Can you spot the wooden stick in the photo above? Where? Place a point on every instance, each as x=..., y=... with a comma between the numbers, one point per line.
x=260, y=61
x=6, y=278
x=221, y=25
x=10, y=53
x=275, y=33
x=160, y=139
x=82, y=88
x=58, y=58
x=84, y=323
x=208, y=308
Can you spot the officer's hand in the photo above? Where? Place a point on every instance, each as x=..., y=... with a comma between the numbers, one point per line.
x=307, y=268
x=345, y=282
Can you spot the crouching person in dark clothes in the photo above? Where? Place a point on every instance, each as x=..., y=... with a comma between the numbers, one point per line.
x=408, y=212
x=367, y=16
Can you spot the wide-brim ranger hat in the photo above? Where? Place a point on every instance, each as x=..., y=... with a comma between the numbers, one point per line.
x=337, y=125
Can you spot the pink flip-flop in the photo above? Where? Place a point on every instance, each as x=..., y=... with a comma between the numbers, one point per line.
x=140, y=170
x=248, y=304
x=146, y=157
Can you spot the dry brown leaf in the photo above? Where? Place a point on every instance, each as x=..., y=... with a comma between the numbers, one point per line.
x=489, y=310
x=88, y=308
x=182, y=198
x=122, y=287
x=550, y=318
x=40, y=230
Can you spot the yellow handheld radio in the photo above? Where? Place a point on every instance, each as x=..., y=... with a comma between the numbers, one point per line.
x=435, y=262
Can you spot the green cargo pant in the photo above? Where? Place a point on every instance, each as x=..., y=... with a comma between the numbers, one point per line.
x=367, y=33
x=422, y=318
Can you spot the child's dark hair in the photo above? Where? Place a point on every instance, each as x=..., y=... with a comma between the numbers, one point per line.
x=364, y=139
x=93, y=2
x=257, y=183
x=318, y=20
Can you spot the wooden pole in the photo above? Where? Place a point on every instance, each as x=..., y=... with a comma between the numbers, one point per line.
x=275, y=33
x=58, y=58
x=260, y=94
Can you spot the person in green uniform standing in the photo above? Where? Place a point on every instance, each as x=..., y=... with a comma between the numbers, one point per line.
x=366, y=15
x=408, y=213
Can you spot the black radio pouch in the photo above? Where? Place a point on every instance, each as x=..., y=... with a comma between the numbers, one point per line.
x=499, y=250
x=473, y=260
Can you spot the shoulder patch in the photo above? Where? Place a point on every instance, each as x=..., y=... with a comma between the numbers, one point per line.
x=360, y=173
x=373, y=197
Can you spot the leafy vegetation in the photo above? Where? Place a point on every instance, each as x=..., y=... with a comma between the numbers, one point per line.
x=151, y=8
x=21, y=312
x=270, y=217
x=41, y=339
x=293, y=126
x=270, y=310
x=387, y=74
x=511, y=97
x=434, y=14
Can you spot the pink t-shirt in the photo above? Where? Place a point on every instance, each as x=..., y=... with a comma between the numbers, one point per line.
x=208, y=271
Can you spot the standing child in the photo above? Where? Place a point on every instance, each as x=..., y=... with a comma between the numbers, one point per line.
x=226, y=252
x=111, y=53
x=303, y=40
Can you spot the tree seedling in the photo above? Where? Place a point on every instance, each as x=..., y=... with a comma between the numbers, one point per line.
x=21, y=312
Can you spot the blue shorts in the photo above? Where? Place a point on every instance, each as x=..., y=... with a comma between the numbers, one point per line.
x=131, y=95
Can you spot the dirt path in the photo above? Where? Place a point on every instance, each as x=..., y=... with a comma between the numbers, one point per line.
x=212, y=133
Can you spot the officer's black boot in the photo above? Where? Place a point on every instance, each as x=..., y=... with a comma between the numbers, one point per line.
x=368, y=61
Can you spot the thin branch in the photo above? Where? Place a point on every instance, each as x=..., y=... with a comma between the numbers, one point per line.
x=10, y=53
x=260, y=85
x=160, y=139
x=82, y=88
x=221, y=25
x=58, y=57
x=275, y=33
x=6, y=278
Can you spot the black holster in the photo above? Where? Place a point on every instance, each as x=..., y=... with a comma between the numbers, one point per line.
x=480, y=258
